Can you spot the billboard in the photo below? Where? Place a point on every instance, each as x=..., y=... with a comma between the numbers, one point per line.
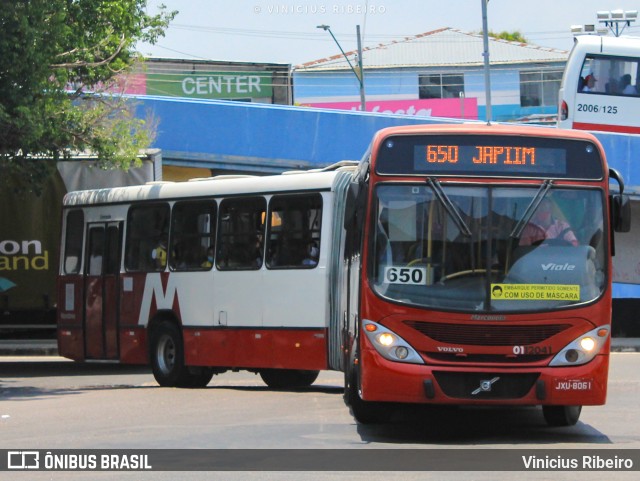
x=450, y=108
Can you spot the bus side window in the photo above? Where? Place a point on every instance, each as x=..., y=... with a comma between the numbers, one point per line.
x=73, y=241
x=192, y=235
x=240, y=240
x=147, y=238
x=294, y=231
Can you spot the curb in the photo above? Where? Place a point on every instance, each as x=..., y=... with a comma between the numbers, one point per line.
x=28, y=348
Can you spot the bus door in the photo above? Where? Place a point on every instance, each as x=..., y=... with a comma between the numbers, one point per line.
x=101, y=290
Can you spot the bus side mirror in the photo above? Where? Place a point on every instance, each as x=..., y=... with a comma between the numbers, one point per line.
x=621, y=213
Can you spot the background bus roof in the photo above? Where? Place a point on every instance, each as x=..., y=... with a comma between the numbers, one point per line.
x=625, y=46
x=209, y=187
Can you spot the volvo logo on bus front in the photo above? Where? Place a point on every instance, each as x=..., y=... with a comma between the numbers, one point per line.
x=485, y=385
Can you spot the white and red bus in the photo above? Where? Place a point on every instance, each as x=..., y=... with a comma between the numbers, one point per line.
x=421, y=274
x=202, y=276
x=600, y=89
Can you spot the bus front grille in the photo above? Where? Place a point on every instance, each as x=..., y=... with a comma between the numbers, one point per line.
x=485, y=358
x=487, y=335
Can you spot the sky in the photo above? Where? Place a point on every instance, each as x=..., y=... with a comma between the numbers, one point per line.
x=285, y=31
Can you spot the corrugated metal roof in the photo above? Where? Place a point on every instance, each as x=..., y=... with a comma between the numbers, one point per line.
x=443, y=47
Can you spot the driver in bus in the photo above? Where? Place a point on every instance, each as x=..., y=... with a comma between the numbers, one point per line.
x=544, y=225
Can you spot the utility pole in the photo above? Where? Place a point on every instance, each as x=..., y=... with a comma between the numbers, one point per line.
x=363, y=104
x=485, y=54
x=360, y=73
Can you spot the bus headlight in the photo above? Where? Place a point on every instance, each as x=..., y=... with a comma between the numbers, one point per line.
x=583, y=349
x=587, y=344
x=386, y=339
x=389, y=345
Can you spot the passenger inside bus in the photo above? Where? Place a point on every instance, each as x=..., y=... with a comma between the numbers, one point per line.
x=159, y=255
x=589, y=83
x=625, y=85
x=312, y=255
x=208, y=262
x=545, y=225
x=258, y=251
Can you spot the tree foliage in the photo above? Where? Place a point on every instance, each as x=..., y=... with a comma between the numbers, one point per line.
x=59, y=65
x=510, y=36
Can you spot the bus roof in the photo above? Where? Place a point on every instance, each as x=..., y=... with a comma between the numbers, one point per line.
x=623, y=46
x=484, y=129
x=210, y=187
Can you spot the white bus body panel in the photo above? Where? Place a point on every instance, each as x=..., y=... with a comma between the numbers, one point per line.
x=287, y=298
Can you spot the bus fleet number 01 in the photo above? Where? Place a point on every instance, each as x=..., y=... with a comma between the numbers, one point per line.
x=406, y=275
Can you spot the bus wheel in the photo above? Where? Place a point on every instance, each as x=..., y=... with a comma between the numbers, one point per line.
x=561, y=415
x=167, y=356
x=365, y=412
x=199, y=376
x=288, y=378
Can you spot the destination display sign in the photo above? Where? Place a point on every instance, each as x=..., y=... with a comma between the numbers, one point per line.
x=490, y=158
x=489, y=155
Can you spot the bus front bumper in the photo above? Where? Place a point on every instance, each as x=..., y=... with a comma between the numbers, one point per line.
x=383, y=380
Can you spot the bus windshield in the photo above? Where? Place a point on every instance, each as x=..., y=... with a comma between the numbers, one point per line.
x=488, y=248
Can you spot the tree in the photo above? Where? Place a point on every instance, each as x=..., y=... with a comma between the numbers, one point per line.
x=59, y=64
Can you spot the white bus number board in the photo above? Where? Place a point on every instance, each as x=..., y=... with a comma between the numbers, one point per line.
x=405, y=275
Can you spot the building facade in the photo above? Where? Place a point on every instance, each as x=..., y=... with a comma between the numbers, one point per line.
x=440, y=74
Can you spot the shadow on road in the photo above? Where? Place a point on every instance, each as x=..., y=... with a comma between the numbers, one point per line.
x=11, y=374
x=476, y=426
x=9, y=370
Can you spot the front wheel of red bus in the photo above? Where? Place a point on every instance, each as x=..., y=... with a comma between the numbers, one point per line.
x=364, y=412
x=561, y=415
x=167, y=359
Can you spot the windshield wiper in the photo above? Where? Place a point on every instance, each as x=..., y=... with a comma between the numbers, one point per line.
x=531, y=208
x=449, y=206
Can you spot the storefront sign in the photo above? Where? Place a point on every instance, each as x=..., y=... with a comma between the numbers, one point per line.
x=211, y=85
x=452, y=108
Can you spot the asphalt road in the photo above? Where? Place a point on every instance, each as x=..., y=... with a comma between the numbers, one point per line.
x=51, y=404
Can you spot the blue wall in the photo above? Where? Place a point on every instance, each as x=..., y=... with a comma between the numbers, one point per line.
x=273, y=138
x=261, y=137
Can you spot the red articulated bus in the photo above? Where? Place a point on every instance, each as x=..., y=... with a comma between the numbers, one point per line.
x=464, y=265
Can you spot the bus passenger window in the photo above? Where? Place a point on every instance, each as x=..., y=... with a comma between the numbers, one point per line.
x=294, y=231
x=192, y=236
x=240, y=243
x=147, y=238
x=73, y=242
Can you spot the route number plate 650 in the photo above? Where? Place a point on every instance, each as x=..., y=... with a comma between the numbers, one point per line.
x=405, y=275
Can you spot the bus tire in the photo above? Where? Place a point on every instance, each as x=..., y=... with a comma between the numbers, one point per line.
x=199, y=377
x=561, y=415
x=167, y=356
x=364, y=412
x=288, y=378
